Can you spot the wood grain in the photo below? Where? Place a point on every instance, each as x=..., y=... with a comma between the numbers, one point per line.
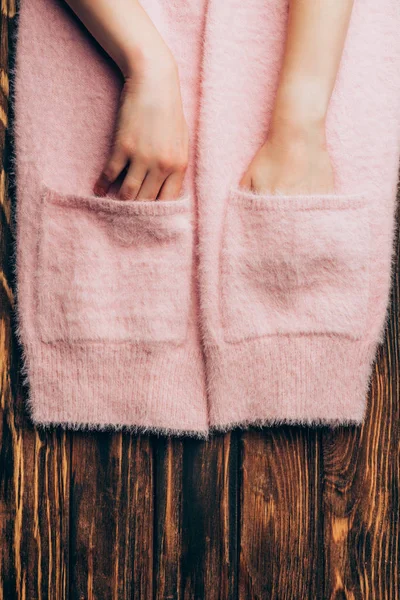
x=278, y=513
x=209, y=553
x=111, y=517
x=196, y=499
x=168, y=534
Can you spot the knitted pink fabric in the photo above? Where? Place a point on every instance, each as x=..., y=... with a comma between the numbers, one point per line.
x=222, y=307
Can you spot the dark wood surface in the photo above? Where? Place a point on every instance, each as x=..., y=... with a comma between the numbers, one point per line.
x=283, y=512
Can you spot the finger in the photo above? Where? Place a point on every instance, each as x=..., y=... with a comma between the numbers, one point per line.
x=133, y=180
x=115, y=164
x=151, y=185
x=172, y=187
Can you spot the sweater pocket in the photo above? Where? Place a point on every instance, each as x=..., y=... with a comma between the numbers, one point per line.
x=112, y=270
x=294, y=265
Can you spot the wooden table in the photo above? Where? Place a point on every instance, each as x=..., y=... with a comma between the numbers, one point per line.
x=284, y=512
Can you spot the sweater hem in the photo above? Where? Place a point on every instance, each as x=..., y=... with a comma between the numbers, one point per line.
x=135, y=428
x=119, y=387
x=319, y=422
x=298, y=380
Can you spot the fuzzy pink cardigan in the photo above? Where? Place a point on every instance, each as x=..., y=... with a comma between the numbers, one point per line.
x=222, y=307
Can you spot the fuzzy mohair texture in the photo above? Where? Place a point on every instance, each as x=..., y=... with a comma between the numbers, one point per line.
x=223, y=307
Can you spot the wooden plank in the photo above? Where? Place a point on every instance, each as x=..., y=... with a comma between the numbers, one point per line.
x=111, y=517
x=280, y=536
x=34, y=512
x=34, y=471
x=168, y=517
x=361, y=489
x=208, y=555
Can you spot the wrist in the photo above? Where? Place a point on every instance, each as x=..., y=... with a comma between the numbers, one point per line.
x=301, y=103
x=293, y=128
x=137, y=62
x=298, y=118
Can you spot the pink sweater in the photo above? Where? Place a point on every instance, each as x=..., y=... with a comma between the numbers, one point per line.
x=223, y=307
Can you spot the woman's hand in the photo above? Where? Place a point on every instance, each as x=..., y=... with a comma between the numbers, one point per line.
x=151, y=137
x=294, y=159
x=291, y=162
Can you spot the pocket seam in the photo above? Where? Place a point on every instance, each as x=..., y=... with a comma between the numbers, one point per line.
x=294, y=202
x=112, y=204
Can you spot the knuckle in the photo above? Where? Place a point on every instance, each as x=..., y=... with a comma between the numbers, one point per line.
x=181, y=165
x=130, y=189
x=124, y=193
x=127, y=146
x=165, y=164
x=145, y=158
x=110, y=172
x=127, y=194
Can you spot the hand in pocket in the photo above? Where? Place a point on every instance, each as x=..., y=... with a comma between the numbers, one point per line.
x=151, y=137
x=294, y=162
